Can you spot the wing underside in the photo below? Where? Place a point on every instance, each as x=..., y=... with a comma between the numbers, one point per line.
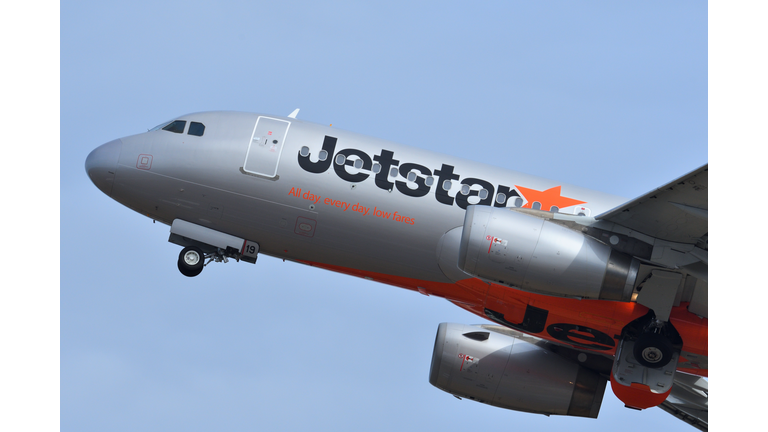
x=675, y=212
x=688, y=400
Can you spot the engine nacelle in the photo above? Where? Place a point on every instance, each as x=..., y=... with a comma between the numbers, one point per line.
x=532, y=254
x=496, y=369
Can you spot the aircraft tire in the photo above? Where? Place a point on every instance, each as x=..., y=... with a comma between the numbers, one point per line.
x=191, y=260
x=653, y=350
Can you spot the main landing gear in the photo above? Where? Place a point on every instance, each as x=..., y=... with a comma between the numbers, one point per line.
x=653, y=349
x=645, y=362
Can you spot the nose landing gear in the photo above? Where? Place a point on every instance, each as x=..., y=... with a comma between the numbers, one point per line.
x=201, y=243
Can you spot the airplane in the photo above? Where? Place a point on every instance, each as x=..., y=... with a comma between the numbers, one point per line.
x=579, y=288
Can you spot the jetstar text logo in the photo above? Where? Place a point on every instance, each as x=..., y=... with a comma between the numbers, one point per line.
x=355, y=166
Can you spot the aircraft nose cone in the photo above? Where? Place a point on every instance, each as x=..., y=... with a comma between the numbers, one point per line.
x=101, y=165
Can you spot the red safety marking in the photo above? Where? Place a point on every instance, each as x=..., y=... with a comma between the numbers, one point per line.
x=489, y=246
x=242, y=249
x=463, y=357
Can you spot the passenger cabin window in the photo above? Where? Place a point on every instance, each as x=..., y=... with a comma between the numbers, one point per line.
x=176, y=126
x=197, y=129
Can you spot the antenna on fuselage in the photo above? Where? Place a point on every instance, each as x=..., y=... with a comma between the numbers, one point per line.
x=294, y=113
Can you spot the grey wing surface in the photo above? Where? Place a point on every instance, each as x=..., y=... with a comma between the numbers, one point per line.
x=688, y=400
x=675, y=212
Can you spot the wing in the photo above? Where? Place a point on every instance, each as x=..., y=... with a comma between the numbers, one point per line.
x=688, y=400
x=675, y=212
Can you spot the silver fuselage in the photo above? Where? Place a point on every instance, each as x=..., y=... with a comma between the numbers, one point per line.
x=229, y=181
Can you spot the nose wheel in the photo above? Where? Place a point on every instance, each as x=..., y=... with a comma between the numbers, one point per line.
x=191, y=261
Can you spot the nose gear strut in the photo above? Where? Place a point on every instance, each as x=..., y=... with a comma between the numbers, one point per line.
x=202, y=243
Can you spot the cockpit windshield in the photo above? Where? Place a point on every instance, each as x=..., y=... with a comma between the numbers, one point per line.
x=178, y=126
x=161, y=125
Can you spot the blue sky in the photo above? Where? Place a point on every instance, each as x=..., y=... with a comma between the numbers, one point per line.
x=607, y=95
x=598, y=95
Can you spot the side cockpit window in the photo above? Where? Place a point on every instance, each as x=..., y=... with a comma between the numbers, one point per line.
x=176, y=126
x=197, y=129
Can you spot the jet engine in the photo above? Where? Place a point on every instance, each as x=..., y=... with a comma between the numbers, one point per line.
x=517, y=373
x=529, y=253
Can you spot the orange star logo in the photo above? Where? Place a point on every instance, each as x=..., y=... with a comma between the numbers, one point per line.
x=548, y=198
